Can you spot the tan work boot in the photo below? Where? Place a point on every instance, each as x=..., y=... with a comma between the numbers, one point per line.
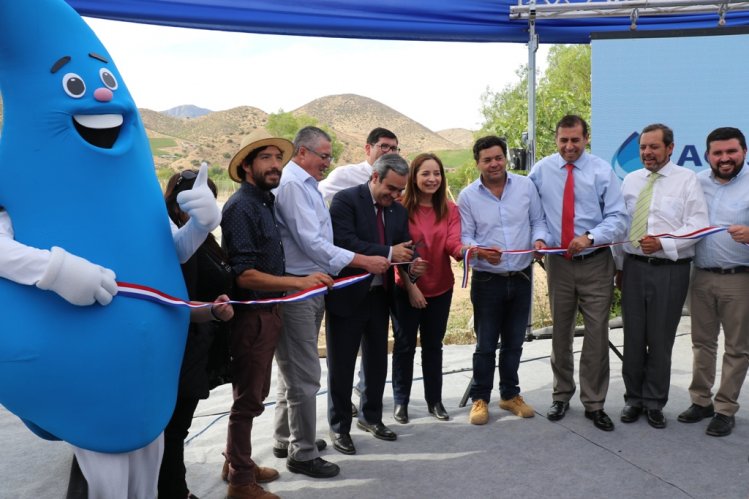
x=517, y=406
x=251, y=491
x=262, y=474
x=479, y=413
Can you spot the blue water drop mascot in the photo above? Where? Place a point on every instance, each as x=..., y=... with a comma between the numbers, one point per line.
x=77, y=362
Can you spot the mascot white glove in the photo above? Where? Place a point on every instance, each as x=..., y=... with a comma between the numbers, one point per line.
x=77, y=280
x=199, y=202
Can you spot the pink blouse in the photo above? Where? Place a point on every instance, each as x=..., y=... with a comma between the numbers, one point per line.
x=435, y=243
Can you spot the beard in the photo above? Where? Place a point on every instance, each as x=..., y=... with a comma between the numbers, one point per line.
x=263, y=183
x=737, y=166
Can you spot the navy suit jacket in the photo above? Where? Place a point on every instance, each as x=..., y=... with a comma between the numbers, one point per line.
x=352, y=212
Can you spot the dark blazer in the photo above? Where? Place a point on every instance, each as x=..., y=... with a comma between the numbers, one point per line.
x=355, y=228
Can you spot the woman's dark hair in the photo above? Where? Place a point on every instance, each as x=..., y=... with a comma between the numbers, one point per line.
x=411, y=196
x=184, y=181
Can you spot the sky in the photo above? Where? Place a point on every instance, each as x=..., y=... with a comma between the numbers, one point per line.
x=438, y=84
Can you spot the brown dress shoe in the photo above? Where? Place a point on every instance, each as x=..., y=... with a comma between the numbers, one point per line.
x=251, y=491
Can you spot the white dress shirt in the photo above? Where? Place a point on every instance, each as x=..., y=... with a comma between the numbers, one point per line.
x=677, y=207
x=305, y=226
x=343, y=177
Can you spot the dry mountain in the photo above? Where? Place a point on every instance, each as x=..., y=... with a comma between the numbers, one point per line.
x=352, y=117
x=215, y=137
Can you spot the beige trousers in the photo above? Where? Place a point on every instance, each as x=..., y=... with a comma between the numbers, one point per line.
x=719, y=300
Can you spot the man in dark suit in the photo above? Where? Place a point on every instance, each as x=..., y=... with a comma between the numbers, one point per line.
x=366, y=220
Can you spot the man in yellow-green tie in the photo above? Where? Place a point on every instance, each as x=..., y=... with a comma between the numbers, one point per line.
x=661, y=198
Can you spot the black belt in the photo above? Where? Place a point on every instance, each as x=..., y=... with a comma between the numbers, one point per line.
x=512, y=273
x=651, y=260
x=580, y=258
x=733, y=270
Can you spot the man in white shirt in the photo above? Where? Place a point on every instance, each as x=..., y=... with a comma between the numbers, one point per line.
x=379, y=141
x=307, y=234
x=661, y=198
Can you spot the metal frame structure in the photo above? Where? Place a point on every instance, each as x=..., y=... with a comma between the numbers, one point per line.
x=531, y=10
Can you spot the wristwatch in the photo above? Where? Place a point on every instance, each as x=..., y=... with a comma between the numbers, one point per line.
x=590, y=238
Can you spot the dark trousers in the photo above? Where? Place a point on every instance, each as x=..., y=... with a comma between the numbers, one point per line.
x=652, y=300
x=172, y=484
x=500, y=314
x=368, y=327
x=430, y=324
x=254, y=335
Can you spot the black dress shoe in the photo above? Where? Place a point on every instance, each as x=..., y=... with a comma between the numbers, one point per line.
x=316, y=468
x=378, y=430
x=656, y=419
x=557, y=410
x=354, y=410
x=400, y=413
x=696, y=413
x=721, y=425
x=630, y=413
x=601, y=420
x=342, y=443
x=283, y=452
x=438, y=411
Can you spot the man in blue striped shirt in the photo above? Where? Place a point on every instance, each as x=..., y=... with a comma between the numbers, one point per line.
x=720, y=286
x=584, y=277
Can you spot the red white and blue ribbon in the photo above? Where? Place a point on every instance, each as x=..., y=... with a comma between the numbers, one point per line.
x=141, y=292
x=470, y=252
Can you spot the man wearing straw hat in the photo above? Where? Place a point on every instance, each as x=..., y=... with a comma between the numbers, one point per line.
x=253, y=242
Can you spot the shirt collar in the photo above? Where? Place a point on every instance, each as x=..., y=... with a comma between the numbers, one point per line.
x=256, y=192
x=734, y=179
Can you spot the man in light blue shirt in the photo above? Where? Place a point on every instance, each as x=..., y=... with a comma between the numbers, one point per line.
x=307, y=235
x=583, y=278
x=720, y=286
x=499, y=211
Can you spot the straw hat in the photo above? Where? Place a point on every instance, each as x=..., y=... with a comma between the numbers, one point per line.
x=257, y=139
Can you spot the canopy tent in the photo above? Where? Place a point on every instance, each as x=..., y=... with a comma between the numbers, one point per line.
x=526, y=21
x=429, y=20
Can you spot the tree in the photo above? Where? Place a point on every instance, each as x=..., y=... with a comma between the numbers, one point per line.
x=563, y=89
x=287, y=125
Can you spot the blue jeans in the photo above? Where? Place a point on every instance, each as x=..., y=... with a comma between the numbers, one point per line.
x=500, y=314
x=430, y=323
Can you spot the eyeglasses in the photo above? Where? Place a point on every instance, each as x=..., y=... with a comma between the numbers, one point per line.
x=186, y=175
x=324, y=157
x=386, y=148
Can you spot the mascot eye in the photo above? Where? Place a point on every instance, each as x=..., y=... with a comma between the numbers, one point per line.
x=108, y=79
x=73, y=85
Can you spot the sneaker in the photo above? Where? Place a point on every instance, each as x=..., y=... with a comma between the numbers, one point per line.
x=479, y=412
x=517, y=406
x=721, y=425
x=251, y=491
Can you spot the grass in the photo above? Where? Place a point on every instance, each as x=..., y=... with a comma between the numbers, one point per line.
x=452, y=158
x=158, y=144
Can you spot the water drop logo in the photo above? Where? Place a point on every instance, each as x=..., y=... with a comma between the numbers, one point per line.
x=627, y=157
